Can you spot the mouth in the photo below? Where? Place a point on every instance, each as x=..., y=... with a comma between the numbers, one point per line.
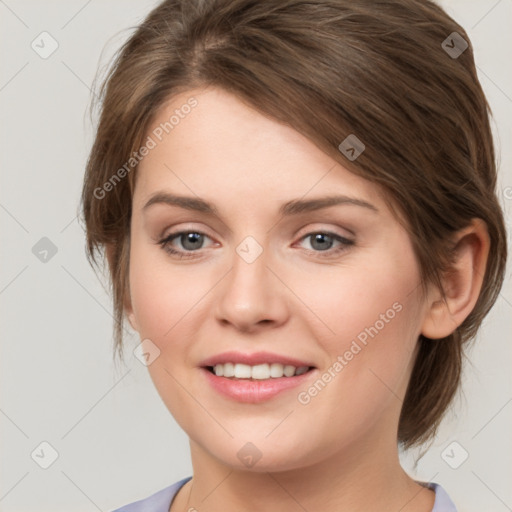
x=258, y=383
x=255, y=377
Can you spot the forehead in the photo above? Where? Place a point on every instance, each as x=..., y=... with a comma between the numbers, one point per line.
x=222, y=148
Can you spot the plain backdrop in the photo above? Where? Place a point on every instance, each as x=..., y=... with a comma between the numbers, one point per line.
x=107, y=437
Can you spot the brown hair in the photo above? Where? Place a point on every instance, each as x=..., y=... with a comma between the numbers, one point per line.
x=329, y=69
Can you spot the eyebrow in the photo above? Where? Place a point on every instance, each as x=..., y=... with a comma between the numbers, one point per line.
x=293, y=207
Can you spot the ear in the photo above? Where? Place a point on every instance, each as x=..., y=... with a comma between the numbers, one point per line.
x=462, y=283
x=127, y=303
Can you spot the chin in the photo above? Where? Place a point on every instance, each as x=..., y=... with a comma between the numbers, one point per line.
x=261, y=457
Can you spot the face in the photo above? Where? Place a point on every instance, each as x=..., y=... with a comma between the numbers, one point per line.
x=334, y=289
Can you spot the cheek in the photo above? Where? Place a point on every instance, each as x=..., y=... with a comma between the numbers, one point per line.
x=166, y=303
x=369, y=316
x=349, y=300
x=368, y=358
x=163, y=293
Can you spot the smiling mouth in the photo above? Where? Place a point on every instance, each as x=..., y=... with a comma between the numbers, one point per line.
x=264, y=371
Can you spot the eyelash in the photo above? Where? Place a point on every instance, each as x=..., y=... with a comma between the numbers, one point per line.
x=345, y=242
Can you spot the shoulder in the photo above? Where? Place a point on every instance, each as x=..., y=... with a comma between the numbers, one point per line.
x=157, y=502
x=442, y=503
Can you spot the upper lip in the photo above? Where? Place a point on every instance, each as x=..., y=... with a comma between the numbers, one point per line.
x=252, y=359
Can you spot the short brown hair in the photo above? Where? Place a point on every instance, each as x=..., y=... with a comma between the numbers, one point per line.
x=329, y=69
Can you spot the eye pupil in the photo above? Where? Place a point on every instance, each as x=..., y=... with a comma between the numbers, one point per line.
x=192, y=238
x=321, y=237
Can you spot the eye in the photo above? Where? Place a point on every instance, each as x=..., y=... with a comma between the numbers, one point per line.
x=191, y=241
x=323, y=241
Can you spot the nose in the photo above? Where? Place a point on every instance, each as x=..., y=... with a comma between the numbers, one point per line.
x=252, y=295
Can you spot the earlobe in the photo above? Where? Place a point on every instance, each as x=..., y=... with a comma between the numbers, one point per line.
x=127, y=304
x=131, y=318
x=462, y=283
x=128, y=309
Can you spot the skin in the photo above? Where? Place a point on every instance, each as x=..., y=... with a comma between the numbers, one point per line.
x=339, y=451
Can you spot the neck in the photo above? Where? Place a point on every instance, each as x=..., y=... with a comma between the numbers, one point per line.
x=351, y=479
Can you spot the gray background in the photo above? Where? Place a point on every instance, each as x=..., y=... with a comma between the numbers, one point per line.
x=115, y=440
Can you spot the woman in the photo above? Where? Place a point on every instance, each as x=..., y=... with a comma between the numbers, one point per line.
x=297, y=204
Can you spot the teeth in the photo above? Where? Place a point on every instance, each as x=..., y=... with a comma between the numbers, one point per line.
x=229, y=369
x=259, y=371
x=242, y=371
x=276, y=370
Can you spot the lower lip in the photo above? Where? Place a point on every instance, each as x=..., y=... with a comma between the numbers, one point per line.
x=254, y=391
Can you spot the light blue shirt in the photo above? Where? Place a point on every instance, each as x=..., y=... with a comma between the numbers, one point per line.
x=161, y=500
